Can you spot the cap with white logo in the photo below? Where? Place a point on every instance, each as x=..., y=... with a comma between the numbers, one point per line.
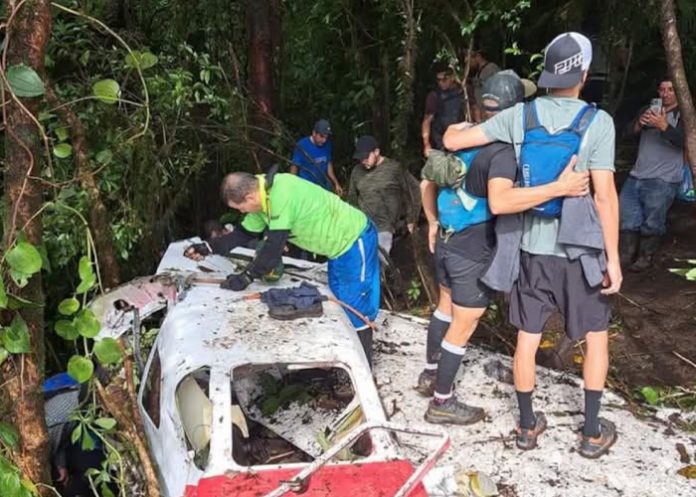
x=566, y=58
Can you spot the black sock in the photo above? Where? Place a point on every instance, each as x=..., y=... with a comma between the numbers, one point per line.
x=593, y=399
x=436, y=332
x=447, y=367
x=527, y=418
x=365, y=335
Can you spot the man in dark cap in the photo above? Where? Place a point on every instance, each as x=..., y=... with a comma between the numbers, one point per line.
x=461, y=207
x=384, y=190
x=552, y=274
x=311, y=159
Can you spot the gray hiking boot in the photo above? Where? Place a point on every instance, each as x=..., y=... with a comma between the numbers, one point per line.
x=451, y=411
x=426, y=382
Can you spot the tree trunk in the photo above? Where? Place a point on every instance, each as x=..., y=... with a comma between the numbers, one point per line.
x=98, y=217
x=264, y=38
x=673, y=52
x=22, y=376
x=407, y=69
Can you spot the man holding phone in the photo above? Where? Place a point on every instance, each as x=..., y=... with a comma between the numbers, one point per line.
x=653, y=182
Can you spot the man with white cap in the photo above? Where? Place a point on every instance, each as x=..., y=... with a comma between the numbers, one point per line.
x=550, y=275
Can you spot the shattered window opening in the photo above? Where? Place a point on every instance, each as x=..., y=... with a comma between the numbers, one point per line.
x=196, y=413
x=151, y=390
x=291, y=413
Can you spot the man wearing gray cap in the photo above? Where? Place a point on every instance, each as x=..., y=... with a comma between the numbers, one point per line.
x=311, y=159
x=551, y=275
x=462, y=193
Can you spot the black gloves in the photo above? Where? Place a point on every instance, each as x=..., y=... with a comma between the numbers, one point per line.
x=198, y=248
x=237, y=282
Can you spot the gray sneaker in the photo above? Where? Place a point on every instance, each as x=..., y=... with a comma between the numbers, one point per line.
x=451, y=411
x=426, y=382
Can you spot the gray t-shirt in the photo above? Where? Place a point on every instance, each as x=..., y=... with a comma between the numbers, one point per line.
x=658, y=155
x=596, y=152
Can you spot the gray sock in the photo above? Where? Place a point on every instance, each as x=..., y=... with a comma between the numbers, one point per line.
x=447, y=368
x=439, y=323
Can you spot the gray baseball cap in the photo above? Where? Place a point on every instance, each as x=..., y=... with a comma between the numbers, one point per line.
x=505, y=88
x=323, y=127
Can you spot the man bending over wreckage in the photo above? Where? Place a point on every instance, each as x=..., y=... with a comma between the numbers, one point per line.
x=304, y=214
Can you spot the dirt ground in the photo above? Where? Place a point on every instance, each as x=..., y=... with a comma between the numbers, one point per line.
x=654, y=317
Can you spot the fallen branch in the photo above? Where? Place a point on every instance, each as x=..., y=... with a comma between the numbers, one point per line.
x=689, y=362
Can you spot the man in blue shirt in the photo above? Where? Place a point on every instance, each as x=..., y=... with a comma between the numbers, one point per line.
x=311, y=159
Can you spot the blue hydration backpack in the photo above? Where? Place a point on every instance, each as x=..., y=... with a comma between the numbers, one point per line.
x=545, y=155
x=456, y=208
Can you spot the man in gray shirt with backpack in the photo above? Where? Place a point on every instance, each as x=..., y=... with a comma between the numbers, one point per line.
x=545, y=133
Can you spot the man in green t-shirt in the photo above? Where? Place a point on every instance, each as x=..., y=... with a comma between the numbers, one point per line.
x=549, y=278
x=291, y=209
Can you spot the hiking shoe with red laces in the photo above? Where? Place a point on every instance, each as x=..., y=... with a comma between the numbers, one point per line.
x=526, y=438
x=594, y=447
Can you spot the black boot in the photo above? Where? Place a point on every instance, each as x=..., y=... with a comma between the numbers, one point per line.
x=628, y=246
x=646, y=254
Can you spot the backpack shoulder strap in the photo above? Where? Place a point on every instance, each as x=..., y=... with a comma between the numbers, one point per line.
x=584, y=118
x=531, y=118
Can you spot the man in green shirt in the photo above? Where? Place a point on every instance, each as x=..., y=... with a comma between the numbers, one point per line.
x=383, y=190
x=290, y=209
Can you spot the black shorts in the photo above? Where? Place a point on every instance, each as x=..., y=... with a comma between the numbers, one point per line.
x=547, y=283
x=461, y=275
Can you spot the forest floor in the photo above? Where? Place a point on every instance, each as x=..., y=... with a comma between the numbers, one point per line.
x=653, y=331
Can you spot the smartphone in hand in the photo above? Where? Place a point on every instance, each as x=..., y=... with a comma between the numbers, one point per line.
x=656, y=105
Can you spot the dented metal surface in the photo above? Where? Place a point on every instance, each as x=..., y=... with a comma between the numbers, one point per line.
x=216, y=331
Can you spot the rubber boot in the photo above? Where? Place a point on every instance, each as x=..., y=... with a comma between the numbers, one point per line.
x=646, y=254
x=628, y=246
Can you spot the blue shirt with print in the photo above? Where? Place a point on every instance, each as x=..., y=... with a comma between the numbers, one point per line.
x=313, y=162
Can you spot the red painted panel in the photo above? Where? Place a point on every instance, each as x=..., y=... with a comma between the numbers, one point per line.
x=378, y=479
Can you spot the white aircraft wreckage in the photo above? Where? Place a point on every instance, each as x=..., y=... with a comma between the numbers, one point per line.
x=238, y=404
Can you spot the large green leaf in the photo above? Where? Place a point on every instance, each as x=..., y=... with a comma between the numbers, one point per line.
x=4, y=354
x=24, y=81
x=143, y=60
x=105, y=423
x=62, y=150
x=87, y=323
x=16, y=337
x=84, y=268
x=80, y=368
x=107, y=91
x=66, y=329
x=107, y=351
x=10, y=484
x=8, y=434
x=68, y=307
x=3, y=294
x=86, y=285
x=24, y=258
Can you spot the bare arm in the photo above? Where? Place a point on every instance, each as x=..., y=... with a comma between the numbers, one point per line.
x=505, y=198
x=332, y=176
x=429, y=199
x=607, y=203
x=458, y=137
x=425, y=132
